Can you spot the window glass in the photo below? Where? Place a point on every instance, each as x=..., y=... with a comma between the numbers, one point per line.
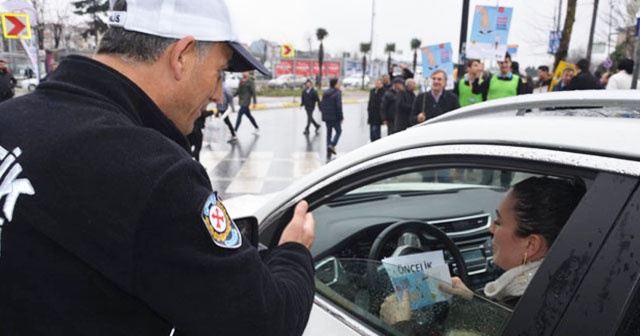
x=459, y=201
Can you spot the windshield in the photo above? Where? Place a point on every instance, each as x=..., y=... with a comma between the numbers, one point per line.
x=372, y=292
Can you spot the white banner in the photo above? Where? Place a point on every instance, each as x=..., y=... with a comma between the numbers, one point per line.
x=30, y=45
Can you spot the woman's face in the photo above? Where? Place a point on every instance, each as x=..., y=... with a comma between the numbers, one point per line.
x=508, y=248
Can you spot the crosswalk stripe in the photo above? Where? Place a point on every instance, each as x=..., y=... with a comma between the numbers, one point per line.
x=305, y=163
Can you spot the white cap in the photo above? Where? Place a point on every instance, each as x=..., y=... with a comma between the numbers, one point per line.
x=205, y=20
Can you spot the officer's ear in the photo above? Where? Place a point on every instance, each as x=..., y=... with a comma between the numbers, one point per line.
x=182, y=55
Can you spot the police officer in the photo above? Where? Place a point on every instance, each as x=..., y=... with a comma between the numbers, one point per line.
x=109, y=227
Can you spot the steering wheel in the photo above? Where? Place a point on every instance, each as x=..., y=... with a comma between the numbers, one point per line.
x=418, y=227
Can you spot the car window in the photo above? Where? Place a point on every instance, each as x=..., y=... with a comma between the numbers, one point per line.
x=461, y=202
x=361, y=286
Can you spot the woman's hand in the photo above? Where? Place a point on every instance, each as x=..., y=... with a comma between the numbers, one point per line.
x=457, y=288
x=392, y=311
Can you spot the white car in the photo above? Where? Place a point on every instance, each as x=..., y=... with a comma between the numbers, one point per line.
x=232, y=79
x=28, y=83
x=288, y=81
x=436, y=187
x=355, y=81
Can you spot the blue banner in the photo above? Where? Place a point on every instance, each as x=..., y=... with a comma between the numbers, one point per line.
x=489, y=33
x=438, y=57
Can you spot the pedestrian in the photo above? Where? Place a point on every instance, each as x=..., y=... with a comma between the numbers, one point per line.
x=374, y=119
x=331, y=108
x=246, y=92
x=389, y=104
x=308, y=100
x=110, y=226
x=565, y=79
x=544, y=80
x=7, y=82
x=404, y=104
x=503, y=84
x=223, y=107
x=462, y=89
x=623, y=78
x=583, y=79
x=195, y=137
x=435, y=102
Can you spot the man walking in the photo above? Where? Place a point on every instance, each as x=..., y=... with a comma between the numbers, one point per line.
x=7, y=82
x=246, y=92
x=374, y=119
x=223, y=107
x=308, y=100
x=331, y=108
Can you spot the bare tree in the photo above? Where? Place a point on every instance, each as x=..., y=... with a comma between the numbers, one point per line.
x=39, y=5
x=563, y=49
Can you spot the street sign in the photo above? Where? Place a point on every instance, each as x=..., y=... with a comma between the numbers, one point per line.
x=554, y=42
x=287, y=51
x=16, y=26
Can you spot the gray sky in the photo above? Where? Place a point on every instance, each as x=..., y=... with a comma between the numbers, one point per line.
x=398, y=21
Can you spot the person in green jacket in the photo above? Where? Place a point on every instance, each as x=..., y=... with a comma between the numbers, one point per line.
x=500, y=85
x=463, y=88
x=246, y=92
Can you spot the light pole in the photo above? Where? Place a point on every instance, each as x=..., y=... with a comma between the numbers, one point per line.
x=463, y=37
x=373, y=15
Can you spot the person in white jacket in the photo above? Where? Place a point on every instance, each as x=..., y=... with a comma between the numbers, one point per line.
x=622, y=79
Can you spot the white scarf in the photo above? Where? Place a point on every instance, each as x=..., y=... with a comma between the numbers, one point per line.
x=512, y=283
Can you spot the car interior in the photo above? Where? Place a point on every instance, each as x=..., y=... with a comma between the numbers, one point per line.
x=411, y=212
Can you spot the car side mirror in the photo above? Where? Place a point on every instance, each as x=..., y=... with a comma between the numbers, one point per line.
x=248, y=226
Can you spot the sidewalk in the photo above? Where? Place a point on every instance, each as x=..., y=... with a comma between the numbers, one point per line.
x=348, y=97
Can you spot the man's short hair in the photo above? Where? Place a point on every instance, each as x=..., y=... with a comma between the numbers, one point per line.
x=444, y=73
x=626, y=65
x=333, y=82
x=583, y=65
x=543, y=68
x=567, y=70
x=469, y=62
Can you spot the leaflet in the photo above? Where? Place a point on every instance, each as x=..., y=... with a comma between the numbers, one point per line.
x=419, y=273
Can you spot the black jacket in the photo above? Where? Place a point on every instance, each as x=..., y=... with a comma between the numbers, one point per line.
x=331, y=105
x=404, y=104
x=7, y=84
x=309, y=99
x=388, y=106
x=583, y=81
x=373, y=107
x=425, y=102
x=109, y=232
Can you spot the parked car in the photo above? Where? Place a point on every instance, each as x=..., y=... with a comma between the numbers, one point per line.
x=28, y=83
x=355, y=81
x=448, y=175
x=288, y=81
x=232, y=79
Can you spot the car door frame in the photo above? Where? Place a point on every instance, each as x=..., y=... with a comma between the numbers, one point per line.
x=535, y=160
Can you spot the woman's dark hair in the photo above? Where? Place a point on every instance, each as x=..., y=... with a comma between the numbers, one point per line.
x=544, y=204
x=626, y=65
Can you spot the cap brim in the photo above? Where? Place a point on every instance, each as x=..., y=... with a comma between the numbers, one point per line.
x=242, y=60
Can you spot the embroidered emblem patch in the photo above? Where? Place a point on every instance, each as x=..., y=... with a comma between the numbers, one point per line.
x=222, y=229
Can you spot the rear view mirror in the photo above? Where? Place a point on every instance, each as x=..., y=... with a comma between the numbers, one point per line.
x=248, y=226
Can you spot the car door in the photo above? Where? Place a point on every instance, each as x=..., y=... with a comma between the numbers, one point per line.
x=588, y=275
x=433, y=160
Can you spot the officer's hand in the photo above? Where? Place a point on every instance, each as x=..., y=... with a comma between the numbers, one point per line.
x=301, y=229
x=421, y=117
